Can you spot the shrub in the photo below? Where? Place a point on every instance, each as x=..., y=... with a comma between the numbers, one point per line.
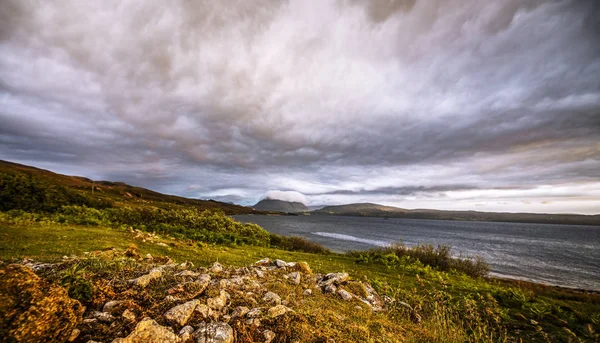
x=439, y=258
x=295, y=243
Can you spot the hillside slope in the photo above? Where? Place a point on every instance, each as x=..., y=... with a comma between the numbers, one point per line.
x=375, y=210
x=280, y=206
x=30, y=188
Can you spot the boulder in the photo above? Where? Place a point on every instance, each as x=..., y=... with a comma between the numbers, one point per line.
x=110, y=306
x=240, y=311
x=281, y=263
x=149, y=331
x=277, y=311
x=180, y=314
x=294, y=278
x=218, y=302
x=345, y=294
x=144, y=280
x=333, y=279
x=128, y=315
x=272, y=298
x=214, y=333
x=32, y=310
x=268, y=335
x=216, y=268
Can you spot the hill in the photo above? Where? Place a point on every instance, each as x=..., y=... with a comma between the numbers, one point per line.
x=29, y=188
x=375, y=210
x=280, y=206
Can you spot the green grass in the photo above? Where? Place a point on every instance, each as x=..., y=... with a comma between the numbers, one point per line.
x=447, y=301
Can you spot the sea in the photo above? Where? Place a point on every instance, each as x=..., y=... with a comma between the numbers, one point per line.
x=559, y=255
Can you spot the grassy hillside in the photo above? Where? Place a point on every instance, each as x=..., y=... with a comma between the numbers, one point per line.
x=429, y=305
x=375, y=210
x=31, y=188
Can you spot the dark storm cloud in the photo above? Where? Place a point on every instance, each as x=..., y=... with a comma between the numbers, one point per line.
x=386, y=101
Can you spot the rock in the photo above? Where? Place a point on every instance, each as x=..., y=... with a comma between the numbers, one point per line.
x=345, y=294
x=333, y=279
x=204, y=310
x=253, y=321
x=103, y=317
x=254, y=313
x=277, y=311
x=217, y=303
x=281, y=263
x=186, y=333
x=307, y=292
x=187, y=273
x=214, y=333
x=172, y=299
x=89, y=321
x=239, y=311
x=110, y=306
x=264, y=262
x=330, y=289
x=294, y=278
x=259, y=273
x=33, y=310
x=162, y=244
x=149, y=331
x=74, y=334
x=180, y=314
x=268, y=336
x=144, y=280
x=216, y=268
x=149, y=257
x=128, y=315
x=272, y=298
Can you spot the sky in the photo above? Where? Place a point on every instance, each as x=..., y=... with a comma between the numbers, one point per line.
x=456, y=104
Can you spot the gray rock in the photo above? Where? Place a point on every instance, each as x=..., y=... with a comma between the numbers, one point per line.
x=216, y=268
x=277, y=311
x=149, y=331
x=330, y=289
x=272, y=298
x=187, y=273
x=180, y=314
x=214, y=333
x=264, y=262
x=185, y=334
x=240, y=311
x=268, y=336
x=281, y=263
x=103, y=317
x=218, y=302
x=254, y=313
x=144, y=280
x=333, y=279
x=295, y=278
x=345, y=294
x=109, y=306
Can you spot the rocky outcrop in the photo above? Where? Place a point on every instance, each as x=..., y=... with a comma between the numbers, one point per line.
x=31, y=310
x=214, y=304
x=149, y=331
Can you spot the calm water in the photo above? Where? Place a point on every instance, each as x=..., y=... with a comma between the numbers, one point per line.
x=564, y=255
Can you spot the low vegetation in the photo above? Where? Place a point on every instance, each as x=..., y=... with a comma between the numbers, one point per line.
x=86, y=247
x=439, y=258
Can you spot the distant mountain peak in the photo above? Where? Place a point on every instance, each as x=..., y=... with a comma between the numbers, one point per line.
x=277, y=205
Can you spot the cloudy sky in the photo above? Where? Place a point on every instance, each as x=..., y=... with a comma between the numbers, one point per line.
x=456, y=104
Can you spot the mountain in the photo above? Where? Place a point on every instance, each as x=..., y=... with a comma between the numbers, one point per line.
x=275, y=205
x=375, y=210
x=29, y=188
